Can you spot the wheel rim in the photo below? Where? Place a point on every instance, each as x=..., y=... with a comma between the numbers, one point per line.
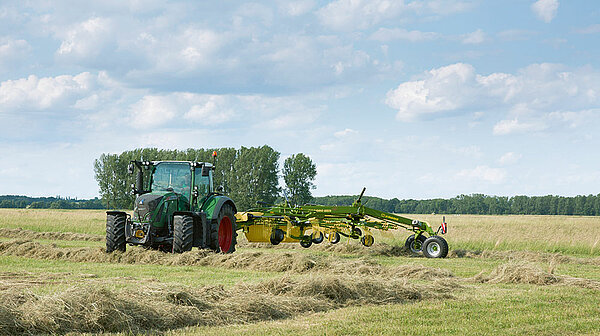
x=225, y=234
x=413, y=247
x=433, y=249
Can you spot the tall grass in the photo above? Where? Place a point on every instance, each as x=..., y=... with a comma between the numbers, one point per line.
x=564, y=234
x=79, y=221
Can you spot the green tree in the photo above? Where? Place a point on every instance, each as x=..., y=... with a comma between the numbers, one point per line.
x=253, y=177
x=299, y=173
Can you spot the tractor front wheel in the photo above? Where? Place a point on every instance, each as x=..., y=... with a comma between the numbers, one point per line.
x=183, y=233
x=415, y=247
x=223, y=232
x=435, y=247
x=115, y=232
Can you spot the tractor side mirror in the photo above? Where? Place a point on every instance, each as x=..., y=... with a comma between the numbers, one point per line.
x=130, y=168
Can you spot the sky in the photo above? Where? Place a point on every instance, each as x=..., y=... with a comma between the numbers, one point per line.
x=411, y=99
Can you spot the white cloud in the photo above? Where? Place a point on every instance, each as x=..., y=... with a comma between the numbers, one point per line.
x=43, y=93
x=509, y=158
x=86, y=39
x=444, y=89
x=536, y=98
x=591, y=29
x=11, y=49
x=152, y=111
x=297, y=8
x=359, y=14
x=511, y=126
x=476, y=37
x=212, y=110
x=483, y=173
x=387, y=34
x=545, y=10
x=515, y=35
x=186, y=109
x=346, y=15
x=345, y=133
x=445, y=7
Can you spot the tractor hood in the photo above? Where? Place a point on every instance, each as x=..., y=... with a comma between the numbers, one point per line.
x=145, y=205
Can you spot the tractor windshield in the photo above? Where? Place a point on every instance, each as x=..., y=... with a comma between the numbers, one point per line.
x=172, y=176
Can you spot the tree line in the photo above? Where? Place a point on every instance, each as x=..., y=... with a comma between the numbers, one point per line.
x=479, y=204
x=21, y=202
x=247, y=174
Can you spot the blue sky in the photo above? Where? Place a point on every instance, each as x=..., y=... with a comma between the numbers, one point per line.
x=412, y=99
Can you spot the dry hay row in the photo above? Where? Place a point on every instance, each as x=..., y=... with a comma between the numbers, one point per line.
x=156, y=308
x=348, y=247
x=292, y=261
x=522, y=272
x=28, y=234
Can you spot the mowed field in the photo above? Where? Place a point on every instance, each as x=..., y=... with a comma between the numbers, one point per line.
x=505, y=275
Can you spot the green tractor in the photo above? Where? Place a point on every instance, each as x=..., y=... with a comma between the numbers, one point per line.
x=177, y=209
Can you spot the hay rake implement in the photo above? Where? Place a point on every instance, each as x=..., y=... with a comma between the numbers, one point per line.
x=310, y=224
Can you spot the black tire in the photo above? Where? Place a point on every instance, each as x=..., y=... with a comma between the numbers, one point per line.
x=435, y=247
x=319, y=239
x=183, y=233
x=335, y=239
x=367, y=240
x=229, y=227
x=277, y=236
x=306, y=241
x=356, y=232
x=115, y=232
x=410, y=244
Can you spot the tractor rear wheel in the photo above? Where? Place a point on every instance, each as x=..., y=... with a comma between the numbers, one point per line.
x=223, y=232
x=115, y=232
x=435, y=247
x=183, y=233
x=415, y=247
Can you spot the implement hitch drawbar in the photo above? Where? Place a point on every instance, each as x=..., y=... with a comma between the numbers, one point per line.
x=308, y=224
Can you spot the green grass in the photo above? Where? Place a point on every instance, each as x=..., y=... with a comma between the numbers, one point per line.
x=186, y=275
x=484, y=310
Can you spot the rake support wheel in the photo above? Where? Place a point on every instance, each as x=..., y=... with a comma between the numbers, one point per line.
x=306, y=241
x=317, y=237
x=415, y=247
x=435, y=247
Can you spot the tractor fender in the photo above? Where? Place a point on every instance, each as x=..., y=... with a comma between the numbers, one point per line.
x=116, y=212
x=222, y=200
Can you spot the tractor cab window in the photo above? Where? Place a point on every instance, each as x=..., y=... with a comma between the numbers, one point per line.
x=172, y=176
x=204, y=183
